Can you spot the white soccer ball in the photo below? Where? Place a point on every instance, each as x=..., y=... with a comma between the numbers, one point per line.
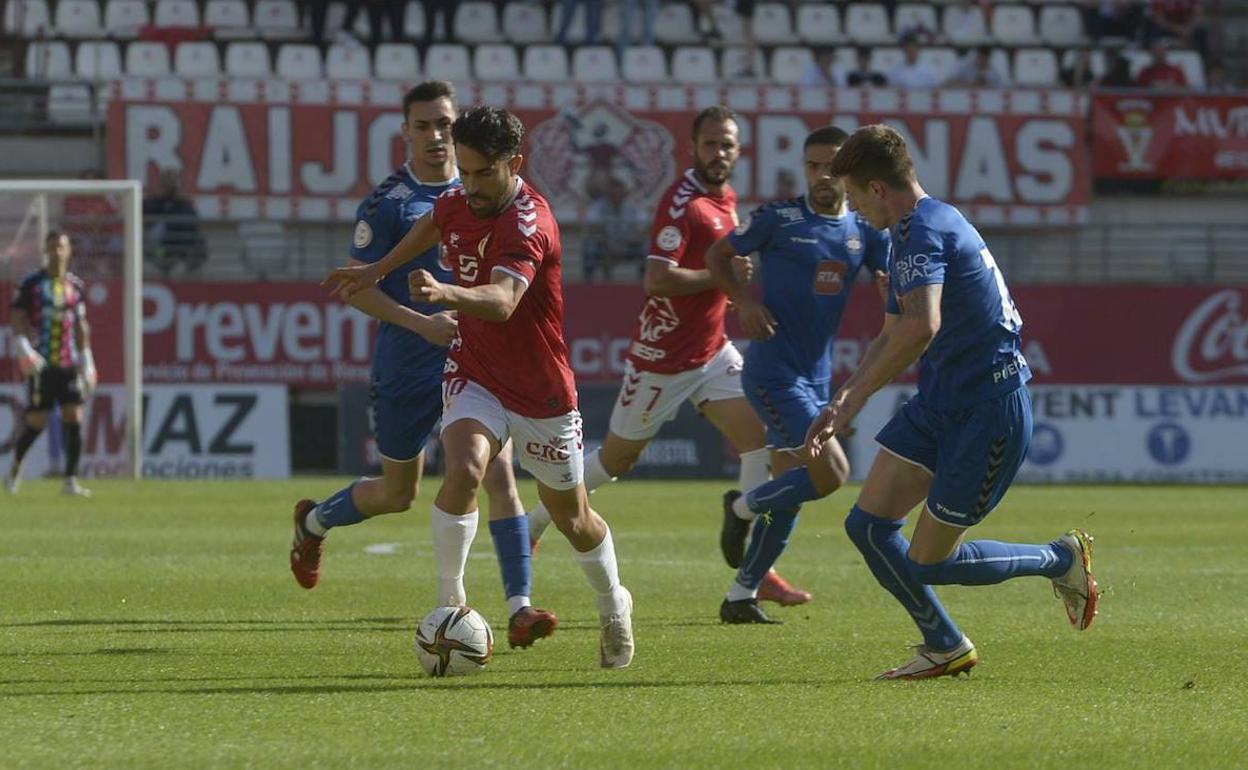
x=454, y=641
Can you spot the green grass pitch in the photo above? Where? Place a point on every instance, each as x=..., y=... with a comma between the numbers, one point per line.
x=157, y=625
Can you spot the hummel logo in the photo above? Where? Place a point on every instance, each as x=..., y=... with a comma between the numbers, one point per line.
x=675, y=213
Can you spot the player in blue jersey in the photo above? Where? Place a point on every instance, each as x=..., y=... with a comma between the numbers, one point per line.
x=406, y=383
x=811, y=250
x=956, y=445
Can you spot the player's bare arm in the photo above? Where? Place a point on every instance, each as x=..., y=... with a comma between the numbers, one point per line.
x=664, y=279
x=722, y=262
x=29, y=360
x=439, y=328
x=494, y=301
x=347, y=281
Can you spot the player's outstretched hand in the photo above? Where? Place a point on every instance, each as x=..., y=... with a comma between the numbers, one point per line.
x=756, y=320
x=424, y=287
x=441, y=328
x=743, y=269
x=352, y=279
x=29, y=361
x=834, y=420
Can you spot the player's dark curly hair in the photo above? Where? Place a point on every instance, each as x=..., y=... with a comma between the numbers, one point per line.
x=54, y=235
x=491, y=131
x=875, y=152
x=717, y=114
x=828, y=136
x=428, y=91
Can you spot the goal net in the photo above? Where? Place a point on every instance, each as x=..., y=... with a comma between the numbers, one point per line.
x=103, y=222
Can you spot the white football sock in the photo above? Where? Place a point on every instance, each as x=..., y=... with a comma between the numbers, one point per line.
x=754, y=469
x=539, y=520
x=595, y=476
x=737, y=592
x=452, y=539
x=517, y=603
x=598, y=564
x=742, y=509
x=313, y=524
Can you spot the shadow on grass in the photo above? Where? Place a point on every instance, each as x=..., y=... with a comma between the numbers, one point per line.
x=76, y=622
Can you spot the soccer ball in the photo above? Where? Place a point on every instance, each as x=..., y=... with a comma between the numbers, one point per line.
x=454, y=641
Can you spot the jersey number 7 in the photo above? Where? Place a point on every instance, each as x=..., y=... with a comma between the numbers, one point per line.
x=1009, y=313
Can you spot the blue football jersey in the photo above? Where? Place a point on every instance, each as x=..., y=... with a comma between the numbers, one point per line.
x=403, y=362
x=976, y=354
x=808, y=264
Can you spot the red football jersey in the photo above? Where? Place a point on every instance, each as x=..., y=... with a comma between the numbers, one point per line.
x=523, y=361
x=676, y=334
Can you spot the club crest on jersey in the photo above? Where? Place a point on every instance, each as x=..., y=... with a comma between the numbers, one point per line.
x=658, y=317
x=668, y=238
x=363, y=235
x=853, y=244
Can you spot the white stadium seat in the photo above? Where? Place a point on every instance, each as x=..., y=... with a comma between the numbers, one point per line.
x=28, y=18
x=78, y=19
x=396, y=61
x=940, y=60
x=247, y=60
x=299, y=61
x=496, y=61
x=177, y=13
x=693, y=64
x=1013, y=25
x=197, y=59
x=124, y=18
x=886, y=59
x=447, y=61
x=348, y=62
x=413, y=21
x=1061, y=25
x=1191, y=64
x=147, y=60
x=546, y=63
x=98, y=60
x=789, y=64
x=819, y=24
x=912, y=16
x=48, y=60
x=70, y=104
x=228, y=18
x=1098, y=61
x=1035, y=67
x=730, y=24
x=645, y=64
x=867, y=23
x=736, y=62
x=525, y=23
x=278, y=19
x=594, y=64
x=674, y=24
x=773, y=24
x=965, y=25
x=477, y=22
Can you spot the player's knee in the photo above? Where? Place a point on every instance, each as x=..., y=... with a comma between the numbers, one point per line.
x=858, y=527
x=466, y=474
x=399, y=500
x=618, y=462
x=829, y=478
x=928, y=574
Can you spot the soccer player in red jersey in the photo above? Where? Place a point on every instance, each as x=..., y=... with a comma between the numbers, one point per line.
x=508, y=375
x=679, y=350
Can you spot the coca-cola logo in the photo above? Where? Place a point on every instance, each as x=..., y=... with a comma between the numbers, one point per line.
x=1212, y=344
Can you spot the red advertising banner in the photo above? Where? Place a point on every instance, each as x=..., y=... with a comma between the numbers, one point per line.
x=1165, y=137
x=311, y=151
x=296, y=334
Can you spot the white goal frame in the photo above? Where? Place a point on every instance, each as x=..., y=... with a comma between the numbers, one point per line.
x=131, y=193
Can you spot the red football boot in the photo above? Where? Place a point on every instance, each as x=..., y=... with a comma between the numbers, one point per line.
x=305, y=548
x=776, y=589
x=529, y=624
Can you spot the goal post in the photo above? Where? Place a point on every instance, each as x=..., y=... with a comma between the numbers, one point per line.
x=104, y=221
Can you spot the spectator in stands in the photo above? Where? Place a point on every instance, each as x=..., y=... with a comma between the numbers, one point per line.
x=1216, y=78
x=863, y=76
x=1180, y=20
x=824, y=71
x=1114, y=18
x=976, y=69
x=711, y=35
x=434, y=9
x=616, y=232
x=316, y=11
x=1160, y=74
x=910, y=74
x=172, y=227
x=593, y=20
x=705, y=19
x=1119, y=73
x=1079, y=73
x=649, y=10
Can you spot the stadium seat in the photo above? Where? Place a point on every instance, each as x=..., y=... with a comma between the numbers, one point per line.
x=1035, y=67
x=673, y=25
x=362, y=29
x=147, y=60
x=594, y=64
x=644, y=64
x=735, y=62
x=124, y=18
x=1139, y=59
x=277, y=19
x=396, y=61
x=819, y=24
x=913, y=17
x=964, y=25
x=772, y=24
x=789, y=64
x=177, y=13
x=1013, y=25
x=1098, y=61
x=247, y=60
x=867, y=23
x=545, y=63
x=413, y=21
x=940, y=60
x=77, y=19
x=348, y=62
x=885, y=59
x=576, y=31
x=48, y=60
x=1061, y=25
x=98, y=60
x=1191, y=64
x=228, y=18
x=447, y=61
x=693, y=64
x=28, y=18
x=477, y=22
x=197, y=59
x=525, y=23
x=71, y=104
x=496, y=61
x=730, y=24
x=299, y=61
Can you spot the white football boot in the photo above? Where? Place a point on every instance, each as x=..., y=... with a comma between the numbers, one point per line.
x=927, y=663
x=615, y=645
x=1077, y=589
x=72, y=488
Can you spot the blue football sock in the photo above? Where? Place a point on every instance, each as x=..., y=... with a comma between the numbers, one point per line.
x=767, y=542
x=785, y=492
x=984, y=562
x=511, y=544
x=339, y=509
x=884, y=548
